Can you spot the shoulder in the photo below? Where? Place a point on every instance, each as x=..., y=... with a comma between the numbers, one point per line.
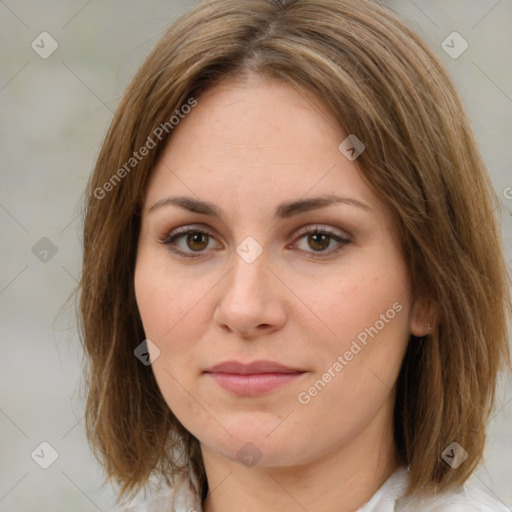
x=466, y=498
x=391, y=497
x=184, y=497
x=163, y=503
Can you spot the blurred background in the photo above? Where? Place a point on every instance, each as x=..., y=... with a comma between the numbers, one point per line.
x=63, y=68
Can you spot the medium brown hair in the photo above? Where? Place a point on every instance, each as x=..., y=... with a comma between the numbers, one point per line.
x=383, y=84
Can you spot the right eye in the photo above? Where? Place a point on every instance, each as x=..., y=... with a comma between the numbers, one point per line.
x=193, y=240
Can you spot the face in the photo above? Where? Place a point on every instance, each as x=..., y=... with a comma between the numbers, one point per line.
x=315, y=293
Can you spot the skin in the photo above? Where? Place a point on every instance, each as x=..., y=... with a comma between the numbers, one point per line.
x=247, y=147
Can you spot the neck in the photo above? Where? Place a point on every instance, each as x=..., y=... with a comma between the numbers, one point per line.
x=343, y=479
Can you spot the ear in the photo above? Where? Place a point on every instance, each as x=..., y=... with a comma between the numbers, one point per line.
x=422, y=317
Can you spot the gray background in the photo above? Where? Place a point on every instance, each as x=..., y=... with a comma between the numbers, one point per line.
x=54, y=115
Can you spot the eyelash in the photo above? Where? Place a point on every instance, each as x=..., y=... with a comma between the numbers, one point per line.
x=168, y=241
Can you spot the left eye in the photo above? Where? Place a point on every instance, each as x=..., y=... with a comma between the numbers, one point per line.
x=197, y=241
x=319, y=240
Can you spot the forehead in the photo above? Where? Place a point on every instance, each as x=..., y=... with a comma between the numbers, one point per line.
x=259, y=141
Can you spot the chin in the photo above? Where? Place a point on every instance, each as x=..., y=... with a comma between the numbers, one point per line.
x=255, y=447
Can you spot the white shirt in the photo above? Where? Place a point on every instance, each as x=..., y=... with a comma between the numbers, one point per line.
x=389, y=498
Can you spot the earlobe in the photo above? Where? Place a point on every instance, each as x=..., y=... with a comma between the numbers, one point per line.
x=422, y=320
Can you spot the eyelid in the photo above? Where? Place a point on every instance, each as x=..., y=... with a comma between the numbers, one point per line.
x=325, y=229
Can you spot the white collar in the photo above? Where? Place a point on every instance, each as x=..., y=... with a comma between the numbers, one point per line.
x=186, y=497
x=384, y=500
x=386, y=497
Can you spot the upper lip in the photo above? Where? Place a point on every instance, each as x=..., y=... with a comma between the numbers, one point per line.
x=252, y=368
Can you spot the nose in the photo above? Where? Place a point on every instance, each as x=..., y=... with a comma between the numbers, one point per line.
x=251, y=304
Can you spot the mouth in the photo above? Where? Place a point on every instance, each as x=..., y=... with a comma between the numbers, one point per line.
x=254, y=378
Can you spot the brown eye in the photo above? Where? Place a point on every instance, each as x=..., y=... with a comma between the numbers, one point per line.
x=187, y=242
x=197, y=241
x=319, y=241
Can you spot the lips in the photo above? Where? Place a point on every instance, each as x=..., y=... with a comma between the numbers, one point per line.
x=252, y=368
x=249, y=379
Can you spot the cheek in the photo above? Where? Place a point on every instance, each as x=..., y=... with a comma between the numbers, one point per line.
x=365, y=315
x=356, y=298
x=161, y=297
x=173, y=317
x=165, y=316
x=151, y=298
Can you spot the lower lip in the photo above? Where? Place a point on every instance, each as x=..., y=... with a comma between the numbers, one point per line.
x=253, y=384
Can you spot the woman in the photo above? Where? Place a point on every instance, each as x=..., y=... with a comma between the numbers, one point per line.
x=294, y=294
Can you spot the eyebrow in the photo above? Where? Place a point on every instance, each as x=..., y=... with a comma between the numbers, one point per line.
x=284, y=210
